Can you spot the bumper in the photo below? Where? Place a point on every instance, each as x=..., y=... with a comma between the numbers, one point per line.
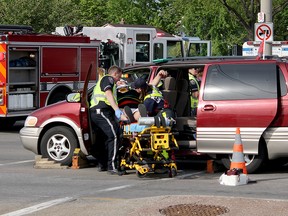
x=29, y=137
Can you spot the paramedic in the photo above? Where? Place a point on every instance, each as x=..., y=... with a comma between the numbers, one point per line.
x=105, y=115
x=194, y=89
x=150, y=95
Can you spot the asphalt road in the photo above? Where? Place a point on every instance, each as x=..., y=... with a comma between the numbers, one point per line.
x=28, y=191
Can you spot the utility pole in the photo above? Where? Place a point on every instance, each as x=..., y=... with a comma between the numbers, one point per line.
x=266, y=8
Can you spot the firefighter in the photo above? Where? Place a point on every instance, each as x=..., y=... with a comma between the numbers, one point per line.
x=105, y=115
x=194, y=89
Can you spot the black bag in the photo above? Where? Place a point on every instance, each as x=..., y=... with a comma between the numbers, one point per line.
x=233, y=171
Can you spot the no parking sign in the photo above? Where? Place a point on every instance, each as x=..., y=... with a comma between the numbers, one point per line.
x=263, y=31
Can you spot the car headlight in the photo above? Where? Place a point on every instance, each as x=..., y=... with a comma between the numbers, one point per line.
x=30, y=121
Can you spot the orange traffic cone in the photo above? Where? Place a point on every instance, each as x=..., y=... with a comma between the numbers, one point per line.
x=238, y=161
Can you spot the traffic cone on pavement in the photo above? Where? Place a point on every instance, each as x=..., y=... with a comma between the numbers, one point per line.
x=238, y=161
x=237, y=175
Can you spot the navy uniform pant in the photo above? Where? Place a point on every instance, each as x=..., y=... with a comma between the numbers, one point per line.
x=106, y=122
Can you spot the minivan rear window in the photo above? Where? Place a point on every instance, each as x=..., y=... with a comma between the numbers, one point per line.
x=240, y=82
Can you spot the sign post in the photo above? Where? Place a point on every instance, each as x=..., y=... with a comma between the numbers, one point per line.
x=266, y=8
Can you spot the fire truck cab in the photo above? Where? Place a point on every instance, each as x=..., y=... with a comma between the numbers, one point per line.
x=126, y=45
x=197, y=47
x=40, y=69
x=279, y=48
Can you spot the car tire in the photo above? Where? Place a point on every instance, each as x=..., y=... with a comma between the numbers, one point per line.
x=58, y=144
x=253, y=162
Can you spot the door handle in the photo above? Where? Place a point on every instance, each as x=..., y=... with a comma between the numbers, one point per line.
x=209, y=107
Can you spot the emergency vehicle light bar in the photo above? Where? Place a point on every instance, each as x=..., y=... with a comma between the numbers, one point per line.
x=15, y=28
x=273, y=42
x=253, y=43
x=159, y=34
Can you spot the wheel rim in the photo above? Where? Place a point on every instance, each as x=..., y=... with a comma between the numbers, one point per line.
x=140, y=175
x=173, y=172
x=58, y=147
x=247, y=158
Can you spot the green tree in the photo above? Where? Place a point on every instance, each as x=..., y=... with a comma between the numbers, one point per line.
x=92, y=12
x=227, y=22
x=168, y=17
x=142, y=12
x=245, y=12
x=280, y=20
x=42, y=15
x=207, y=20
x=224, y=22
x=132, y=12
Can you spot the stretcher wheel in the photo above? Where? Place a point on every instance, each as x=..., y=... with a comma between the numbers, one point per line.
x=172, y=172
x=140, y=175
x=163, y=122
x=157, y=121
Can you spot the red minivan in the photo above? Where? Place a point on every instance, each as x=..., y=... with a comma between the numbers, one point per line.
x=235, y=92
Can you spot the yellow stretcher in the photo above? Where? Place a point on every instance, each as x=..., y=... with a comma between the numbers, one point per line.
x=149, y=146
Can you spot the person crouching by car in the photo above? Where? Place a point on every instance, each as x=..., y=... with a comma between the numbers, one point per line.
x=150, y=95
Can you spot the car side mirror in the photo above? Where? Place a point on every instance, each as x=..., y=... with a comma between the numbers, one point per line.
x=73, y=97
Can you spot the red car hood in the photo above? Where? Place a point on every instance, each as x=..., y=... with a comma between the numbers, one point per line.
x=62, y=109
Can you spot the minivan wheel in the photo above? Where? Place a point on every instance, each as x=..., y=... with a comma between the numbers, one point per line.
x=58, y=144
x=253, y=162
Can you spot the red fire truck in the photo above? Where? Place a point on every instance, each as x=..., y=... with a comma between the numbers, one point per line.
x=126, y=45
x=40, y=69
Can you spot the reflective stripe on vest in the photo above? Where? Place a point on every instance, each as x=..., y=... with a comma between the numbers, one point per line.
x=99, y=95
x=154, y=94
x=194, y=101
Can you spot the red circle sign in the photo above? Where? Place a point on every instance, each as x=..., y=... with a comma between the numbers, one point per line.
x=263, y=30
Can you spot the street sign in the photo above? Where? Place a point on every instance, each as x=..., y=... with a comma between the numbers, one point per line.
x=261, y=17
x=264, y=30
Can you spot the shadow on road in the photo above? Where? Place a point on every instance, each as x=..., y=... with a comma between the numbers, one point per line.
x=14, y=128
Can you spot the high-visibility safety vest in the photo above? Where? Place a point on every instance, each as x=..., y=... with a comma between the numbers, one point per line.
x=99, y=95
x=191, y=77
x=155, y=95
x=194, y=101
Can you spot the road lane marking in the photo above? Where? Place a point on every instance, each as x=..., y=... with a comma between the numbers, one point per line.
x=18, y=162
x=40, y=206
x=115, y=188
x=103, y=199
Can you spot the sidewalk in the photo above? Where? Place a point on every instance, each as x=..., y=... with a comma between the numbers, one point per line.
x=207, y=205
